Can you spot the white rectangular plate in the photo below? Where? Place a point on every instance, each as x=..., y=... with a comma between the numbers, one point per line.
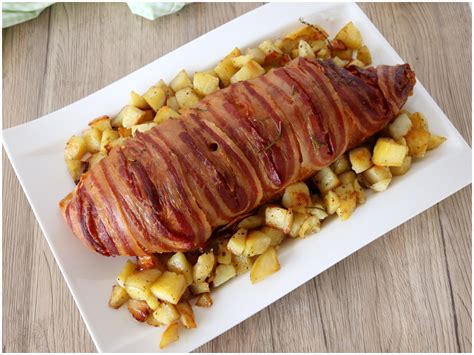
x=36, y=153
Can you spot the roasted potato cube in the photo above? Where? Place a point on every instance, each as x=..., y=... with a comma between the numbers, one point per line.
x=128, y=117
x=187, y=314
x=418, y=121
x=114, y=143
x=360, y=159
x=341, y=165
x=223, y=274
x=169, y=287
x=155, y=97
x=204, y=266
x=317, y=211
x=268, y=47
x=360, y=194
x=241, y=263
x=305, y=50
x=152, y=301
x=347, y=207
x=138, y=283
x=225, y=69
x=101, y=123
x=323, y=54
x=224, y=256
x=92, y=136
x=402, y=169
x=341, y=63
x=381, y=185
x=179, y=264
x=199, y=287
x=172, y=103
x=186, y=97
x=376, y=174
x=278, y=218
x=150, y=320
x=344, y=54
x=181, y=81
x=296, y=195
x=265, y=265
x=204, y=300
x=257, y=54
x=165, y=113
x=76, y=168
x=344, y=191
x=143, y=127
x=145, y=262
x=138, y=309
x=357, y=63
x=400, y=126
x=311, y=225
x=205, y=84
x=241, y=60
x=256, y=243
x=166, y=313
x=298, y=220
x=326, y=180
x=435, y=141
x=236, y=243
x=276, y=236
x=108, y=136
x=249, y=71
x=363, y=54
x=417, y=142
x=168, y=91
x=347, y=178
x=128, y=269
x=350, y=36
x=138, y=101
x=170, y=335
x=331, y=202
x=124, y=132
x=252, y=222
x=95, y=158
x=76, y=147
x=118, y=296
x=388, y=153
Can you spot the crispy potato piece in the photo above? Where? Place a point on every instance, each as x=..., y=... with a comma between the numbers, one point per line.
x=381, y=185
x=186, y=98
x=138, y=283
x=256, y=243
x=165, y=113
x=357, y=63
x=389, y=153
x=268, y=47
x=199, y=287
x=181, y=81
x=241, y=263
x=257, y=54
x=296, y=195
x=225, y=69
x=76, y=168
x=101, y=123
x=311, y=225
x=331, y=202
x=118, y=296
x=138, y=309
x=341, y=165
x=169, y=287
x=124, y=132
x=76, y=147
x=347, y=207
x=204, y=266
x=361, y=159
x=363, y=54
x=278, y=218
x=224, y=256
x=400, y=126
x=417, y=142
x=326, y=180
x=435, y=141
x=95, y=158
x=145, y=262
x=128, y=117
x=223, y=274
x=108, y=136
x=155, y=97
x=236, y=243
x=298, y=220
x=276, y=236
x=341, y=63
x=172, y=103
x=241, y=60
x=179, y=264
x=152, y=321
x=265, y=265
x=166, y=313
x=249, y=71
x=347, y=178
x=359, y=192
x=350, y=36
x=114, y=143
x=152, y=301
x=344, y=191
x=323, y=53
x=402, y=169
x=418, y=121
x=317, y=211
x=344, y=54
x=92, y=136
x=205, y=83
x=308, y=32
x=138, y=101
x=204, y=300
x=252, y=222
x=170, y=335
x=128, y=269
x=187, y=314
x=376, y=174
x=305, y=50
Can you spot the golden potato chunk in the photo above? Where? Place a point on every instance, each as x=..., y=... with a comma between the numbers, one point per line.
x=298, y=220
x=108, y=136
x=166, y=313
x=265, y=265
x=331, y=202
x=138, y=283
x=326, y=180
x=76, y=147
x=341, y=165
x=138, y=101
x=418, y=121
x=143, y=127
x=204, y=266
x=225, y=69
x=268, y=47
x=361, y=159
x=205, y=84
x=186, y=98
x=155, y=97
x=118, y=296
x=402, y=169
x=138, y=309
x=204, y=300
x=128, y=269
x=363, y=54
x=128, y=117
x=359, y=192
x=223, y=274
x=357, y=63
x=296, y=195
x=241, y=60
x=241, y=263
x=417, y=142
x=252, y=222
x=172, y=103
x=344, y=54
x=341, y=63
x=170, y=335
x=187, y=314
x=95, y=158
x=152, y=301
x=305, y=50
x=256, y=243
x=76, y=168
x=236, y=243
x=276, y=236
x=101, y=123
x=249, y=71
x=435, y=141
x=311, y=225
x=224, y=256
x=350, y=36
x=181, y=81
x=279, y=218
x=179, y=264
x=347, y=207
x=400, y=126
x=347, y=178
x=165, y=113
x=389, y=153
x=257, y=54
x=376, y=174
x=199, y=287
x=92, y=136
x=169, y=287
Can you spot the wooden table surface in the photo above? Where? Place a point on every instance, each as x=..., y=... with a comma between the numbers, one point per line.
x=409, y=291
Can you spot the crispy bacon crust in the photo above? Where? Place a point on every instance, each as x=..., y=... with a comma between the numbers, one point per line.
x=168, y=189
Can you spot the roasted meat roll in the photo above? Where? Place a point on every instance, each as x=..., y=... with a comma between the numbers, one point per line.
x=169, y=188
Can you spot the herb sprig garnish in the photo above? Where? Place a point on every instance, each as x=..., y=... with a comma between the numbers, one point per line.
x=272, y=143
x=326, y=37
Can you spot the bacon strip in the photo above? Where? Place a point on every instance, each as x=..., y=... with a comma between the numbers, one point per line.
x=169, y=188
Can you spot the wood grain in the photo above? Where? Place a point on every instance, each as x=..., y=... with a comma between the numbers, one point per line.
x=409, y=291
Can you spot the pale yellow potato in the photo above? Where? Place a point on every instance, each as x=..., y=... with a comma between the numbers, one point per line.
x=204, y=300
x=344, y=54
x=224, y=256
x=317, y=211
x=108, y=136
x=279, y=218
x=252, y=222
x=205, y=83
x=187, y=98
x=199, y=287
x=128, y=117
x=152, y=301
x=114, y=143
x=223, y=274
x=169, y=287
x=264, y=266
x=359, y=192
x=204, y=266
x=344, y=191
x=400, y=126
x=363, y=54
x=150, y=320
x=341, y=63
x=268, y=47
x=95, y=158
x=101, y=123
x=331, y=202
x=138, y=101
x=341, y=165
x=76, y=147
x=172, y=103
x=181, y=81
x=357, y=63
x=350, y=36
x=165, y=113
x=187, y=314
x=138, y=309
x=435, y=141
x=361, y=159
x=298, y=220
x=92, y=136
x=257, y=54
x=276, y=236
x=318, y=45
x=155, y=97
x=347, y=207
x=376, y=174
x=296, y=195
x=179, y=264
x=138, y=283
x=387, y=152
x=402, y=169
x=347, y=178
x=305, y=50
x=417, y=142
x=166, y=313
x=118, y=297
x=241, y=263
x=257, y=242
x=241, y=60
x=170, y=335
x=236, y=243
x=381, y=185
x=225, y=69
x=143, y=127
x=128, y=269
x=168, y=91
x=249, y=71
x=325, y=180
x=76, y=168
x=311, y=225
